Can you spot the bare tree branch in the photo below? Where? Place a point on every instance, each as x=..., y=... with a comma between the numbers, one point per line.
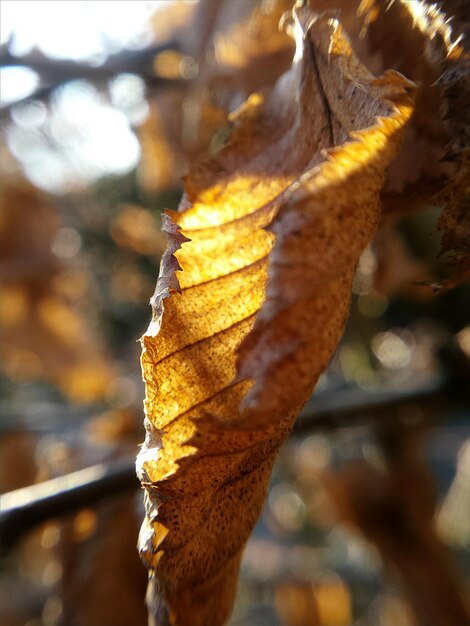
x=56, y=72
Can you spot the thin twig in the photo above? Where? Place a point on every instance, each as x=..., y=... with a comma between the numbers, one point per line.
x=23, y=509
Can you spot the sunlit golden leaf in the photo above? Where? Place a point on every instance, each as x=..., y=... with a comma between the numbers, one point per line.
x=268, y=236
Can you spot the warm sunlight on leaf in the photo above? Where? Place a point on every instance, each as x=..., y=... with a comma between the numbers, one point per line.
x=268, y=236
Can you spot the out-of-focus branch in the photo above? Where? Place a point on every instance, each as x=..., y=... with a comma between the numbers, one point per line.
x=347, y=406
x=350, y=406
x=23, y=509
x=56, y=72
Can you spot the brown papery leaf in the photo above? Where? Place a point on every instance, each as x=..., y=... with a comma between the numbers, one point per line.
x=268, y=236
x=429, y=42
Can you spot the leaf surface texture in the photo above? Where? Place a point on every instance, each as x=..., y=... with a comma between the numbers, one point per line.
x=268, y=236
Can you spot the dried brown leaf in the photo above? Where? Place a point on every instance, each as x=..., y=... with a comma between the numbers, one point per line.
x=268, y=237
x=429, y=43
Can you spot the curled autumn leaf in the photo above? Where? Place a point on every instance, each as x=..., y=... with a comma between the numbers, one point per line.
x=268, y=236
x=429, y=43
